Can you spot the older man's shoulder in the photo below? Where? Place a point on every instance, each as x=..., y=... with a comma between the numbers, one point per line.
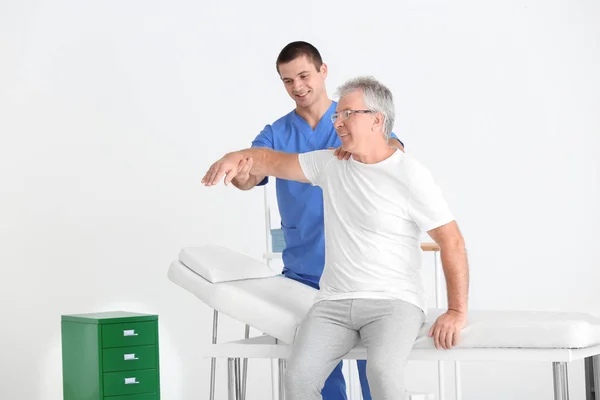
x=413, y=168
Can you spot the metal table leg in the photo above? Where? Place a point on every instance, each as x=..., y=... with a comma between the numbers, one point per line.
x=282, y=365
x=234, y=387
x=561, y=381
x=245, y=367
x=213, y=361
x=592, y=378
x=589, y=378
x=231, y=387
x=596, y=373
x=238, y=379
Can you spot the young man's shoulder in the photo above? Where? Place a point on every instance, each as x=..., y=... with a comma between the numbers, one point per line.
x=285, y=120
x=282, y=121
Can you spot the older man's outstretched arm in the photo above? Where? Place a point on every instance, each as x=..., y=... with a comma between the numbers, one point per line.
x=264, y=162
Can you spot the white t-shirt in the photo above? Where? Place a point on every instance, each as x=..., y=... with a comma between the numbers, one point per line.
x=374, y=215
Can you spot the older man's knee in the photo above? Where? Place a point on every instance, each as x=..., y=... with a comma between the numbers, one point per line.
x=386, y=380
x=302, y=379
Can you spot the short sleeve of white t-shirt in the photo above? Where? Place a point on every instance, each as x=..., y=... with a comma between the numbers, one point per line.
x=426, y=204
x=314, y=163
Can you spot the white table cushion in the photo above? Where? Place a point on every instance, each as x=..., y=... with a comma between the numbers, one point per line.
x=219, y=264
x=276, y=306
x=522, y=329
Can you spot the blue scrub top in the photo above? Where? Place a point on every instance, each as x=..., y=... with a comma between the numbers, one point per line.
x=301, y=204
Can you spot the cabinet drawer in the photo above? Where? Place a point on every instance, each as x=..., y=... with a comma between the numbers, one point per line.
x=145, y=396
x=129, y=334
x=130, y=382
x=129, y=358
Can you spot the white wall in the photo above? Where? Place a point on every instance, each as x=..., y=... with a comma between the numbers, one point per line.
x=111, y=111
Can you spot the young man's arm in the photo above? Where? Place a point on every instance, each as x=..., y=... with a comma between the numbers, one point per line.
x=244, y=180
x=264, y=162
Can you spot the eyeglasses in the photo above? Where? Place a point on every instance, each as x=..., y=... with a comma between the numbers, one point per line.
x=346, y=114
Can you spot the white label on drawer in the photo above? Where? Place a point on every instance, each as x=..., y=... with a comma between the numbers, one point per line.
x=129, y=357
x=129, y=332
x=130, y=381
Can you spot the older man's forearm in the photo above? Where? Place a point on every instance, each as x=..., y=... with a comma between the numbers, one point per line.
x=268, y=162
x=264, y=161
x=456, y=270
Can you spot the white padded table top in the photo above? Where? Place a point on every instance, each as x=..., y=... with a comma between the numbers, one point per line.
x=276, y=306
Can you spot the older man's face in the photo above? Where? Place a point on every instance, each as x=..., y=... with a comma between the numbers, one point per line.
x=354, y=123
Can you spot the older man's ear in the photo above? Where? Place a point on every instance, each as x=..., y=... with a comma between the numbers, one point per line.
x=378, y=121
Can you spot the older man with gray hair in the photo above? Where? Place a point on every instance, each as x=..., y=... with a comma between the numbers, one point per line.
x=376, y=205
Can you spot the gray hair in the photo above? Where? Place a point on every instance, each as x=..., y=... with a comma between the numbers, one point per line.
x=377, y=98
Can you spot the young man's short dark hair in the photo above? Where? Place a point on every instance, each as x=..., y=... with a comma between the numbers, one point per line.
x=298, y=49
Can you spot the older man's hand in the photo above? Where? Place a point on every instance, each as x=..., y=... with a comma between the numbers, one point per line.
x=447, y=328
x=229, y=166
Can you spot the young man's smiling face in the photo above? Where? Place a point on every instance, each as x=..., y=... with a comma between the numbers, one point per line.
x=303, y=81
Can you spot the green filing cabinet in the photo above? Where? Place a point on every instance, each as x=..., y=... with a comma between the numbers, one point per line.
x=110, y=356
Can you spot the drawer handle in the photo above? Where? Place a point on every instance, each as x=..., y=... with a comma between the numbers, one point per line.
x=129, y=332
x=127, y=357
x=131, y=381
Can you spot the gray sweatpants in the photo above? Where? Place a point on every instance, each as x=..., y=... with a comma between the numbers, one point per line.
x=388, y=329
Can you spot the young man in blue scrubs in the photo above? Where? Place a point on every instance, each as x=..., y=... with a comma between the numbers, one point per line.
x=308, y=127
